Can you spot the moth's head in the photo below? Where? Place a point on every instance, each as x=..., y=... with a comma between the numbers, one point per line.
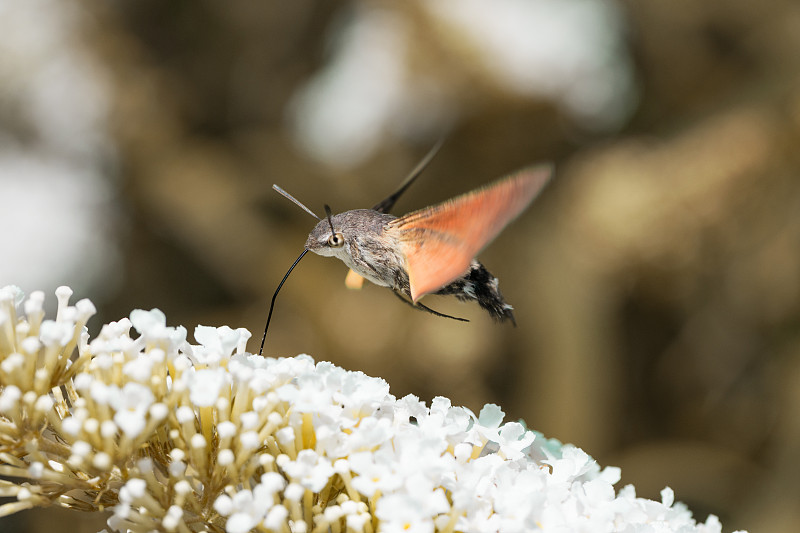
x=329, y=237
x=335, y=236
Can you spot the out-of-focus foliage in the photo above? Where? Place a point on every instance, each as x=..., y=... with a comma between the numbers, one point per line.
x=656, y=282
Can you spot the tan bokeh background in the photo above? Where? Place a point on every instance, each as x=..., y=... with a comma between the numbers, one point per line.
x=656, y=281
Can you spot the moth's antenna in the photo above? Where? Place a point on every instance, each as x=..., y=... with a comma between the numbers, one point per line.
x=272, y=305
x=386, y=204
x=328, y=213
x=295, y=200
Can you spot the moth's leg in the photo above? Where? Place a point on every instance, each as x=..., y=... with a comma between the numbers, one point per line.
x=423, y=307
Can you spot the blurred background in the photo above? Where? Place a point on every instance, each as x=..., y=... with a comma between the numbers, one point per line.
x=656, y=281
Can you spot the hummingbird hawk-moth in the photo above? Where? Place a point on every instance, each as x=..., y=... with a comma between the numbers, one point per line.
x=429, y=251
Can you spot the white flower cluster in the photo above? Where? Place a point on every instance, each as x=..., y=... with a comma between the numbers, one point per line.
x=181, y=437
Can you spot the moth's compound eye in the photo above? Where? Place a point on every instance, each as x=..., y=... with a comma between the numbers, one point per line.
x=336, y=240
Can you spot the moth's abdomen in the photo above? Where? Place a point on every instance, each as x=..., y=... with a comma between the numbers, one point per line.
x=480, y=286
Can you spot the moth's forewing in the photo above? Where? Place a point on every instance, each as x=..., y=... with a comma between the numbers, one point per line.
x=440, y=242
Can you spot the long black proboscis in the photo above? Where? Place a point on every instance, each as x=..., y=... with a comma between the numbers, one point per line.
x=272, y=305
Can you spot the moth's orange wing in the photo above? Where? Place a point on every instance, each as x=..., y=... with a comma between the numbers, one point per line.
x=353, y=280
x=440, y=242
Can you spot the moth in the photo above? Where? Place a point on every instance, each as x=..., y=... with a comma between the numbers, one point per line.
x=429, y=251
